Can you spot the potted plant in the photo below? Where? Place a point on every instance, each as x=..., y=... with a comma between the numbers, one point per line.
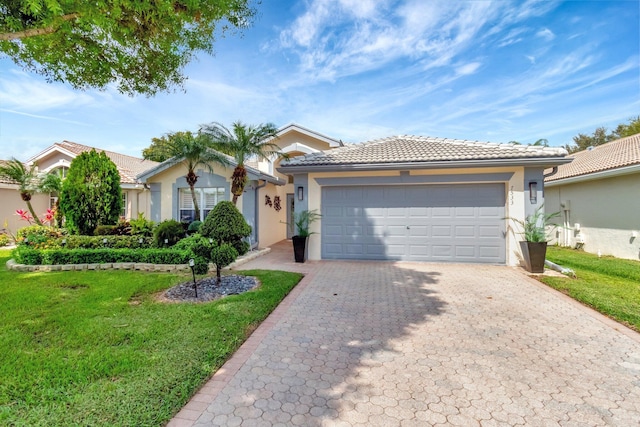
x=302, y=222
x=534, y=246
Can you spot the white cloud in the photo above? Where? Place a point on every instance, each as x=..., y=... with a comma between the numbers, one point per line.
x=466, y=69
x=20, y=92
x=546, y=34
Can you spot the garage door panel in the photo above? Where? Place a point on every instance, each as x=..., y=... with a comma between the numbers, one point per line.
x=458, y=222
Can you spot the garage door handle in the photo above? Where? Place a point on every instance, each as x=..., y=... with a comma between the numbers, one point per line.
x=408, y=227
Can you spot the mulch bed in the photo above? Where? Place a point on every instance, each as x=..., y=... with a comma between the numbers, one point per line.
x=209, y=289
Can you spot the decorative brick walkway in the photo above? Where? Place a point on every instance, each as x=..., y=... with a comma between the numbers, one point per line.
x=408, y=344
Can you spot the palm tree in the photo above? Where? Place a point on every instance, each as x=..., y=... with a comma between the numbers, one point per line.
x=243, y=143
x=52, y=183
x=193, y=151
x=25, y=178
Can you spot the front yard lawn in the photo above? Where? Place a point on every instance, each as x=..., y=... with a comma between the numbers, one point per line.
x=95, y=348
x=610, y=285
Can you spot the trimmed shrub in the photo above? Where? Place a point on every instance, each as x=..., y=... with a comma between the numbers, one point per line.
x=200, y=248
x=4, y=240
x=225, y=224
x=26, y=255
x=241, y=246
x=222, y=256
x=39, y=236
x=97, y=242
x=169, y=230
x=91, y=193
x=194, y=227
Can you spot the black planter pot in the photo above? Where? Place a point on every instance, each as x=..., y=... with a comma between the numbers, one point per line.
x=299, y=248
x=533, y=254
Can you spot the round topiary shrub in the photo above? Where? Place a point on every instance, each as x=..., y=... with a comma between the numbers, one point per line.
x=194, y=227
x=225, y=224
x=168, y=233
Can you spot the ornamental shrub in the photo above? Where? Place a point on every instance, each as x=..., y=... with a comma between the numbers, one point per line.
x=40, y=236
x=104, y=230
x=194, y=227
x=141, y=226
x=225, y=224
x=222, y=256
x=170, y=230
x=200, y=247
x=4, y=240
x=91, y=193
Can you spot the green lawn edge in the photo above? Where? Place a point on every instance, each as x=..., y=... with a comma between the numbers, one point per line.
x=609, y=285
x=97, y=348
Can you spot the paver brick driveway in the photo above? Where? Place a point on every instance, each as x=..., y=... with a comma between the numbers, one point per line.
x=389, y=344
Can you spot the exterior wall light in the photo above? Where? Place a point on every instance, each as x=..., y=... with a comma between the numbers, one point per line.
x=300, y=193
x=533, y=192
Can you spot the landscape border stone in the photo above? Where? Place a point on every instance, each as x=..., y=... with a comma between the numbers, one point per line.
x=167, y=268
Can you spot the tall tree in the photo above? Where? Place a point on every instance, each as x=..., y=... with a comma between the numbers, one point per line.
x=25, y=178
x=141, y=46
x=243, y=143
x=192, y=151
x=602, y=136
x=160, y=148
x=623, y=130
x=91, y=193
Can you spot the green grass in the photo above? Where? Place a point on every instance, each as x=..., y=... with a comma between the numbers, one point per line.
x=610, y=285
x=95, y=348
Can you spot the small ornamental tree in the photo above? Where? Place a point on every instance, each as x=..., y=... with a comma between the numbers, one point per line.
x=227, y=227
x=91, y=193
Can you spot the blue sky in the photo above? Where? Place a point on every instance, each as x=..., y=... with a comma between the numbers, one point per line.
x=363, y=69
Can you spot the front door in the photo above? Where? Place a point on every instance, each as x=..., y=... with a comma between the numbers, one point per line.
x=290, y=216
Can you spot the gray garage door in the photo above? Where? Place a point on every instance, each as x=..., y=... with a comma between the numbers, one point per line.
x=452, y=223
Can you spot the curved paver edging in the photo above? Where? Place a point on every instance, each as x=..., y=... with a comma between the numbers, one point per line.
x=139, y=266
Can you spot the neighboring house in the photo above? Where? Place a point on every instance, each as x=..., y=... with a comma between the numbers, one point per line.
x=10, y=200
x=420, y=198
x=135, y=198
x=598, y=197
x=267, y=203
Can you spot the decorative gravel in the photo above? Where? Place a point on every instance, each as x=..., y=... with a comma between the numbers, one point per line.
x=208, y=288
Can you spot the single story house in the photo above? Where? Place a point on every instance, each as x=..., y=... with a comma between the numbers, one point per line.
x=268, y=200
x=420, y=198
x=58, y=157
x=598, y=197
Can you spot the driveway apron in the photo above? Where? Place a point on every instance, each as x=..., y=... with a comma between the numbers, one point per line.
x=412, y=344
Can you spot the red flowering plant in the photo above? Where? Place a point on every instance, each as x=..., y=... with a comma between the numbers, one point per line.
x=39, y=236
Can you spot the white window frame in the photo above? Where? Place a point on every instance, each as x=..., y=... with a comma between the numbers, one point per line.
x=206, y=204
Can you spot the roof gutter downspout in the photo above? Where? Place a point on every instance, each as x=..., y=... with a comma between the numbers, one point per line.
x=553, y=172
x=257, y=207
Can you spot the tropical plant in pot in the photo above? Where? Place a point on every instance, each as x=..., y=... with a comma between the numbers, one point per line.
x=302, y=222
x=534, y=245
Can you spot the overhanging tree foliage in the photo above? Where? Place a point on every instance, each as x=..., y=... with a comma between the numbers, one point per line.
x=91, y=193
x=140, y=45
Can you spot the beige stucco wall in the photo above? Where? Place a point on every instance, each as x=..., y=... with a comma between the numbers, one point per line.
x=54, y=159
x=10, y=200
x=272, y=226
x=515, y=202
x=138, y=201
x=608, y=211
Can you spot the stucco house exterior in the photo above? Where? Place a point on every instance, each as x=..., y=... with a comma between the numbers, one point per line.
x=598, y=197
x=268, y=200
x=418, y=198
x=58, y=156
x=10, y=200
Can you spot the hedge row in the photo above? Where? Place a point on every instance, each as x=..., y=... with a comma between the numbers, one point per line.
x=31, y=256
